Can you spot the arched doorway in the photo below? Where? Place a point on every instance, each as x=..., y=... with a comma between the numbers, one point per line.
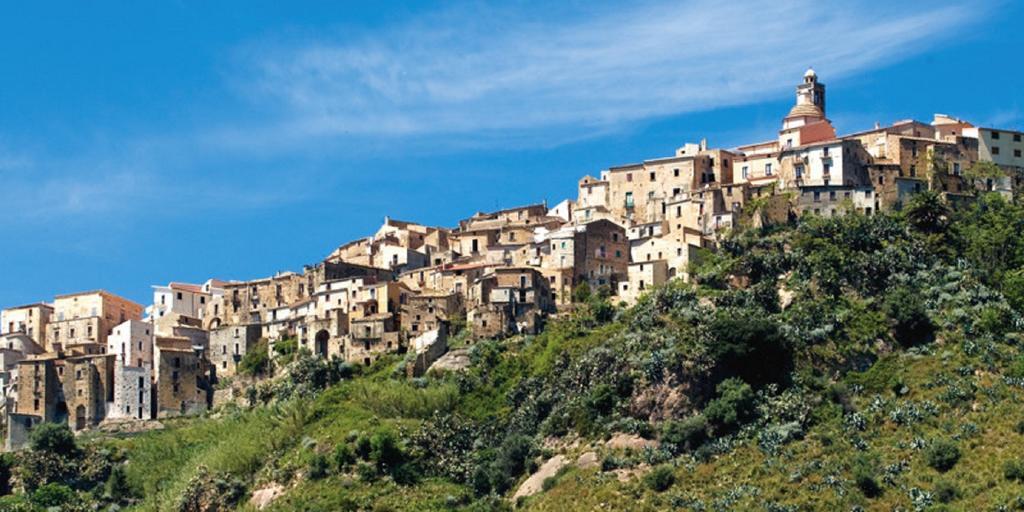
x=320, y=342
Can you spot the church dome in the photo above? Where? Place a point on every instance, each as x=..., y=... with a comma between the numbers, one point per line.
x=803, y=110
x=810, y=73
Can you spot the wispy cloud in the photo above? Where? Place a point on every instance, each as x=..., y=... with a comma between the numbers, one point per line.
x=495, y=76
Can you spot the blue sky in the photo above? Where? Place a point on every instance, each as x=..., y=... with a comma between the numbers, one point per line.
x=147, y=142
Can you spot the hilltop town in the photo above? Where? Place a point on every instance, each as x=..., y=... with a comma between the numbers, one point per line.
x=92, y=358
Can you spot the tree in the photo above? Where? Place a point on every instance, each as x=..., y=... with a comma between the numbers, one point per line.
x=685, y=435
x=733, y=407
x=751, y=348
x=927, y=212
x=910, y=323
x=117, y=488
x=256, y=360
x=581, y=293
x=54, y=438
x=660, y=478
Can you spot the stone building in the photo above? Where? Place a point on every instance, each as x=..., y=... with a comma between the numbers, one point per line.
x=88, y=388
x=427, y=310
x=229, y=344
x=182, y=378
x=517, y=300
x=372, y=336
x=133, y=392
x=88, y=317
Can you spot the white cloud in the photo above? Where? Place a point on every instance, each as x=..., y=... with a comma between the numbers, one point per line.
x=500, y=75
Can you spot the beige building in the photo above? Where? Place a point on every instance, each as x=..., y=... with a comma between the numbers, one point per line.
x=643, y=276
x=30, y=320
x=88, y=318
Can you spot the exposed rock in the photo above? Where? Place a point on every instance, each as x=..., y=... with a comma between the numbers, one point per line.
x=454, y=361
x=622, y=441
x=587, y=461
x=660, y=402
x=262, y=498
x=535, y=483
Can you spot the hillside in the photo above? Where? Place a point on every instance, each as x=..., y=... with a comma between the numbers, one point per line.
x=848, y=363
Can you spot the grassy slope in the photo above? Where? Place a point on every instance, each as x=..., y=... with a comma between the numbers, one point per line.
x=953, y=389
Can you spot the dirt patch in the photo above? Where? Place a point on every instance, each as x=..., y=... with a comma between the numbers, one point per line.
x=454, y=361
x=262, y=498
x=587, y=461
x=623, y=441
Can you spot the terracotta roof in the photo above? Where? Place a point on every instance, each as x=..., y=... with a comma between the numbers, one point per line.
x=194, y=288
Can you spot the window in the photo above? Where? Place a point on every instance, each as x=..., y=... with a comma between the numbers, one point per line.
x=995, y=135
x=799, y=169
x=179, y=296
x=1016, y=153
x=913, y=170
x=768, y=169
x=881, y=180
x=956, y=168
x=744, y=171
x=832, y=195
x=675, y=172
x=826, y=168
x=1016, y=137
x=652, y=176
x=995, y=150
x=629, y=176
x=817, y=197
x=629, y=199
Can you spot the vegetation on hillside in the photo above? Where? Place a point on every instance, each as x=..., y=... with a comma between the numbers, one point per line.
x=847, y=363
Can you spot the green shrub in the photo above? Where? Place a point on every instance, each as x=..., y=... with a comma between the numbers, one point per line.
x=549, y=483
x=6, y=467
x=343, y=456
x=1014, y=470
x=946, y=491
x=1019, y=428
x=384, y=450
x=660, y=478
x=942, y=455
x=734, y=405
x=910, y=323
x=116, y=488
x=54, y=495
x=256, y=361
x=55, y=438
x=750, y=348
x=318, y=467
x=581, y=293
x=865, y=476
x=685, y=435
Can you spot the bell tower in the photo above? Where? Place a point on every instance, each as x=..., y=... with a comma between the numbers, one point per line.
x=811, y=92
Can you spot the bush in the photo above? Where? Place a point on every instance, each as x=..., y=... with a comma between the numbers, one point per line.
x=256, y=361
x=660, y=478
x=910, y=323
x=581, y=293
x=946, y=491
x=734, y=405
x=55, y=438
x=1019, y=428
x=942, y=455
x=318, y=467
x=685, y=435
x=343, y=457
x=54, y=495
x=1014, y=470
x=865, y=476
x=6, y=467
x=116, y=488
x=384, y=450
x=750, y=348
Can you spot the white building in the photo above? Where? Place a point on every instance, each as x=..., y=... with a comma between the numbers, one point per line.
x=132, y=342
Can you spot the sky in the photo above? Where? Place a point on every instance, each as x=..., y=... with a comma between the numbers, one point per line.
x=149, y=142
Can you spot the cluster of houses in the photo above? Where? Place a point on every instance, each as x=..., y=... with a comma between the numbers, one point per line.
x=91, y=358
